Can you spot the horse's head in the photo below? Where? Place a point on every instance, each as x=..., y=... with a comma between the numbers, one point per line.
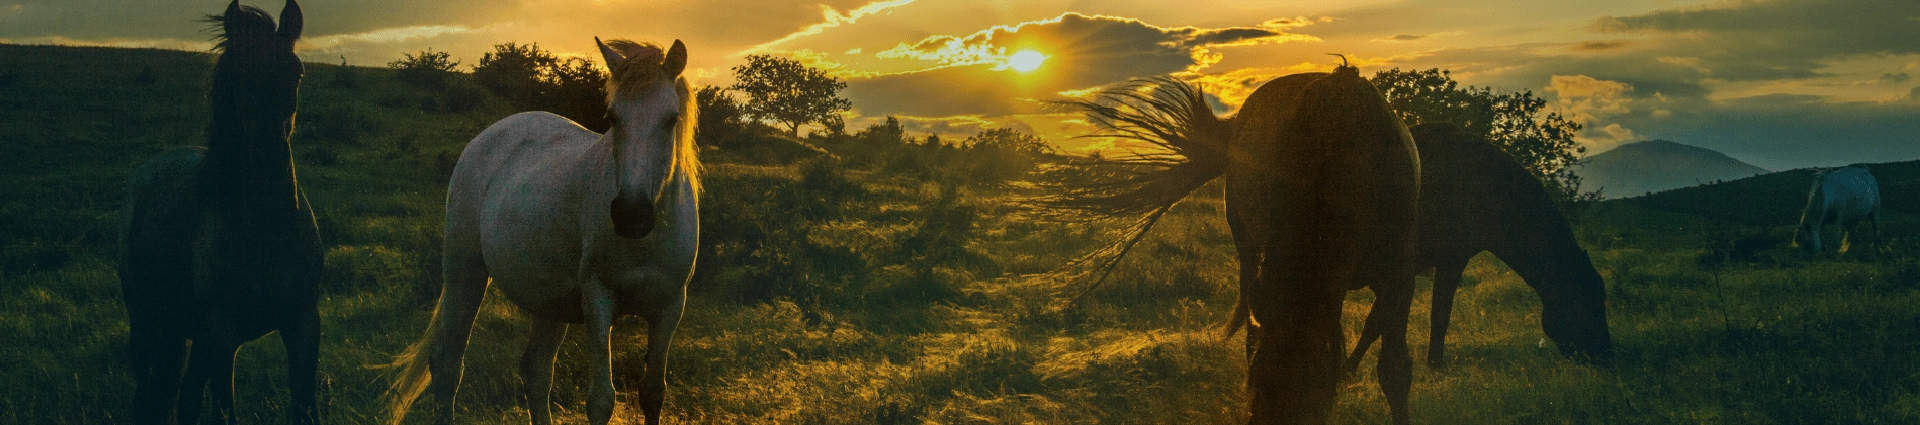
x=652, y=132
x=1804, y=236
x=257, y=80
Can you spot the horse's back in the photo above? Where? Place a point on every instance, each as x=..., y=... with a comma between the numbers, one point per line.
x=159, y=221
x=1475, y=197
x=516, y=147
x=1256, y=133
x=506, y=209
x=1851, y=189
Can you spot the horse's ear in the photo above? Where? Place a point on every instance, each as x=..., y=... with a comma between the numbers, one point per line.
x=227, y=18
x=676, y=61
x=612, y=56
x=290, y=21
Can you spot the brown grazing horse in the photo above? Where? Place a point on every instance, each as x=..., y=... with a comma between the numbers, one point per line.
x=218, y=245
x=1322, y=187
x=1475, y=197
x=1341, y=189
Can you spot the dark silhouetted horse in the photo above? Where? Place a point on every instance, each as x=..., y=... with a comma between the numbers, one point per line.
x=1322, y=192
x=1474, y=197
x=218, y=246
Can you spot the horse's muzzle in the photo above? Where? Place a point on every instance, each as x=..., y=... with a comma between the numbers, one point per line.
x=632, y=217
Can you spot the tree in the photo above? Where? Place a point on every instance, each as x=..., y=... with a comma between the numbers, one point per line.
x=428, y=70
x=513, y=71
x=1543, y=142
x=578, y=91
x=720, y=118
x=784, y=91
x=534, y=79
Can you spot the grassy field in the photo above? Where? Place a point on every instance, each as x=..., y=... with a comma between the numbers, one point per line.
x=883, y=289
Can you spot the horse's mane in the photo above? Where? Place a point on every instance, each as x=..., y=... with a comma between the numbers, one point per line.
x=252, y=21
x=641, y=68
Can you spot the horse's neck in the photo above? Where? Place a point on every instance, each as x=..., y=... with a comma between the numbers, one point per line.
x=256, y=171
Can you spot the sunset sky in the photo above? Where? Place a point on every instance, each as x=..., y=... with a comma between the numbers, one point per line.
x=1780, y=84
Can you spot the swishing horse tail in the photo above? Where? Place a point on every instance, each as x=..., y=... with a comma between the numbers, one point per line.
x=413, y=376
x=1185, y=147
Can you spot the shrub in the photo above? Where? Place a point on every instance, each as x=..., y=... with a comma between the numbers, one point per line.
x=427, y=70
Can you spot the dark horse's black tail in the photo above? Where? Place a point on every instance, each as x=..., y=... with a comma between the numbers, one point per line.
x=1186, y=146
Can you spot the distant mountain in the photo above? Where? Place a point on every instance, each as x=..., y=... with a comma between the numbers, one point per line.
x=1656, y=165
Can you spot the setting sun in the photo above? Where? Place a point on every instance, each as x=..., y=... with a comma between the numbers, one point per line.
x=1026, y=60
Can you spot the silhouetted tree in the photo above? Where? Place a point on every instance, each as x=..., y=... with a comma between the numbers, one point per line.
x=536, y=80
x=1516, y=121
x=579, y=92
x=720, y=119
x=516, y=72
x=428, y=70
x=786, y=92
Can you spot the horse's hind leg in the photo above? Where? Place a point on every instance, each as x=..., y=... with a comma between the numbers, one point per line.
x=1446, y=284
x=536, y=368
x=598, y=305
x=653, y=382
x=1393, y=301
x=462, y=292
x=302, y=342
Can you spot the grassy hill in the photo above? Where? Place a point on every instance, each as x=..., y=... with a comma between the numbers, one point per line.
x=1778, y=198
x=890, y=283
x=1656, y=165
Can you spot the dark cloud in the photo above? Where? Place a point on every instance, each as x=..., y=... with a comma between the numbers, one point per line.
x=718, y=25
x=1600, y=45
x=1785, y=39
x=960, y=90
x=1402, y=37
x=1085, y=51
x=1895, y=78
x=1088, y=50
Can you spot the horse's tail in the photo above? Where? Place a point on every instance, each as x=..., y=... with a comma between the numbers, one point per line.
x=1185, y=146
x=412, y=374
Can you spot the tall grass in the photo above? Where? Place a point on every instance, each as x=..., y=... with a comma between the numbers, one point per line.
x=873, y=287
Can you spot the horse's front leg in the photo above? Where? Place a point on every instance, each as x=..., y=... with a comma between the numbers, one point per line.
x=1446, y=284
x=653, y=382
x=597, y=302
x=536, y=368
x=302, y=342
x=210, y=364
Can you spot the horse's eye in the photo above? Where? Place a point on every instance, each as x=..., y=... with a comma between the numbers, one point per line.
x=669, y=120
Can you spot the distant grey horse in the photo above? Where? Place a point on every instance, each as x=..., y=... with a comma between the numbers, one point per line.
x=1844, y=196
x=572, y=227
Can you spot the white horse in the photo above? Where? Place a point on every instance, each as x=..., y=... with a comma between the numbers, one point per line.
x=573, y=227
x=1844, y=196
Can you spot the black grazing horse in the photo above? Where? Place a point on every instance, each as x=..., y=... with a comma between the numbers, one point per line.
x=1475, y=197
x=218, y=246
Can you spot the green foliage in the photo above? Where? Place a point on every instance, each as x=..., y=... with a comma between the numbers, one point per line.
x=1515, y=121
x=830, y=291
x=343, y=76
x=536, y=80
x=720, y=117
x=784, y=91
x=427, y=70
